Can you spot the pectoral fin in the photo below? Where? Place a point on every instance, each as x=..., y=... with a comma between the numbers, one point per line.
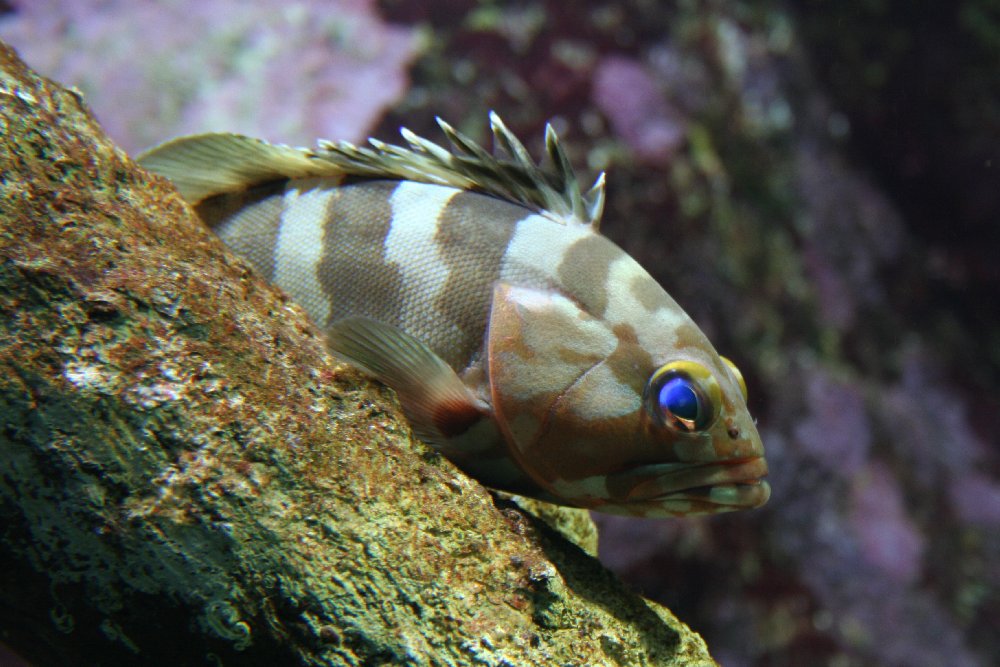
x=436, y=402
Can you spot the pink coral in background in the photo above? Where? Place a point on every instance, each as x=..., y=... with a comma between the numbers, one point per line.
x=635, y=103
x=976, y=498
x=288, y=71
x=889, y=540
x=836, y=433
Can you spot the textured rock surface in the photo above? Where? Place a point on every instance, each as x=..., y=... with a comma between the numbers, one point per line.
x=185, y=474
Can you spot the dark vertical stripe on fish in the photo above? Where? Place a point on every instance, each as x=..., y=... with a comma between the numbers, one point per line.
x=473, y=232
x=248, y=222
x=585, y=268
x=353, y=271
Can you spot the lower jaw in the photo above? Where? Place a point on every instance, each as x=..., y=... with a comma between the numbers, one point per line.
x=695, y=502
x=740, y=495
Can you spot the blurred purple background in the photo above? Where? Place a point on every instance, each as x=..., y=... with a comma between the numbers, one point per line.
x=816, y=183
x=284, y=71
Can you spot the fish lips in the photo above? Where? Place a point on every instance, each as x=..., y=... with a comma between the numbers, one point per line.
x=722, y=485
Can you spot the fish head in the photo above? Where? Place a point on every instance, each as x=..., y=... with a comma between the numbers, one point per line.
x=642, y=418
x=697, y=448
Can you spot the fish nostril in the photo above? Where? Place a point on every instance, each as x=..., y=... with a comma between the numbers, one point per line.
x=733, y=432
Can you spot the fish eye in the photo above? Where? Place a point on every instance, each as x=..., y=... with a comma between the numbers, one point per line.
x=683, y=396
x=736, y=374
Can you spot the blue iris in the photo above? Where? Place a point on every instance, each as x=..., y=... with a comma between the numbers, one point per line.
x=680, y=401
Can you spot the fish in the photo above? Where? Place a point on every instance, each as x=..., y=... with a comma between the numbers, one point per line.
x=524, y=345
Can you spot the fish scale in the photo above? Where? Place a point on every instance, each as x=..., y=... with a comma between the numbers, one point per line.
x=530, y=350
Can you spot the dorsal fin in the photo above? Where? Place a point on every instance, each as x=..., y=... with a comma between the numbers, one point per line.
x=508, y=173
x=209, y=164
x=203, y=165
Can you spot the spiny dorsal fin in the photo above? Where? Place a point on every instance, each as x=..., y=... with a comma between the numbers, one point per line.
x=203, y=165
x=467, y=165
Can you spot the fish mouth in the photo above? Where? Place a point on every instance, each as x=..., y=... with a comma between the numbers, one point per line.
x=699, y=488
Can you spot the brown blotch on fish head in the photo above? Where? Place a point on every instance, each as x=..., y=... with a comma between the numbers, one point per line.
x=630, y=362
x=689, y=336
x=585, y=269
x=649, y=294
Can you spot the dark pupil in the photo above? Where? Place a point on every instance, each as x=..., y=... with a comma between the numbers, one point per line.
x=679, y=400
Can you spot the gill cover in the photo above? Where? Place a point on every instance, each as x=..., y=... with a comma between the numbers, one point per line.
x=542, y=347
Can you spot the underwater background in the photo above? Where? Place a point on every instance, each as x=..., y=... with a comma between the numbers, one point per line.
x=816, y=183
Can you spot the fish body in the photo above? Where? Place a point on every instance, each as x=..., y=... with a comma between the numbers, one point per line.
x=531, y=350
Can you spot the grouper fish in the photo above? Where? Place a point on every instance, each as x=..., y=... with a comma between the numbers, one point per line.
x=529, y=349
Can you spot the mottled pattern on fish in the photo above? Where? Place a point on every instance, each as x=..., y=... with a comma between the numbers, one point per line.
x=531, y=350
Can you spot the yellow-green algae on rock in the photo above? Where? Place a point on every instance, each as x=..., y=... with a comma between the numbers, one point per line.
x=186, y=476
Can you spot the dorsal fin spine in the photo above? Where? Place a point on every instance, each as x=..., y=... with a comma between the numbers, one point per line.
x=205, y=165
